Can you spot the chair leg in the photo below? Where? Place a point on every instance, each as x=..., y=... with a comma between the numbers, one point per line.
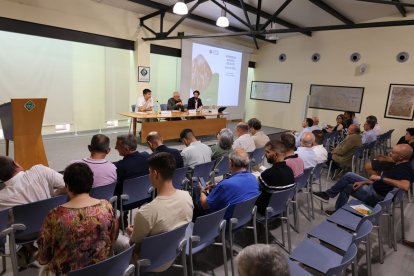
x=190, y=257
x=354, y=267
x=3, y=259
x=394, y=232
x=311, y=200
x=231, y=248
x=13, y=254
x=402, y=219
x=288, y=233
x=283, y=232
x=368, y=254
x=184, y=261
x=223, y=242
x=266, y=231
x=380, y=245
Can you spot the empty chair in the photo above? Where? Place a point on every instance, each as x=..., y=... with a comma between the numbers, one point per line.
x=105, y=192
x=163, y=107
x=204, y=232
x=161, y=249
x=256, y=157
x=133, y=106
x=118, y=265
x=136, y=192
x=278, y=205
x=302, y=183
x=317, y=176
x=179, y=178
x=296, y=270
x=322, y=259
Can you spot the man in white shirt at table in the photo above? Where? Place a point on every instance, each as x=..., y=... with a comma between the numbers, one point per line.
x=145, y=102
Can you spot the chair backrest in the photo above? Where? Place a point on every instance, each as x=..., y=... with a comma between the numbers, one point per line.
x=278, y=201
x=4, y=223
x=222, y=166
x=386, y=202
x=103, y=192
x=242, y=211
x=207, y=227
x=376, y=214
x=113, y=266
x=163, y=107
x=33, y=214
x=257, y=156
x=346, y=261
x=363, y=231
x=133, y=106
x=203, y=170
x=303, y=179
x=179, y=176
x=138, y=189
x=162, y=248
x=357, y=158
x=316, y=173
x=398, y=194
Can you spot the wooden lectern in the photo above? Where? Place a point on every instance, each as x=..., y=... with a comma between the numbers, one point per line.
x=21, y=120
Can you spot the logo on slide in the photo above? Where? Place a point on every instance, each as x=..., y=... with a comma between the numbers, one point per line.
x=29, y=105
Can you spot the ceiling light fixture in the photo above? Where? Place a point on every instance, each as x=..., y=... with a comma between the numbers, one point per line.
x=223, y=21
x=273, y=36
x=180, y=8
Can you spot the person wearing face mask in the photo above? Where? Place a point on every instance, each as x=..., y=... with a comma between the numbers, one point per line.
x=277, y=178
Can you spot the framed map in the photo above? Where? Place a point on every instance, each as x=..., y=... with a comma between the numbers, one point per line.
x=271, y=91
x=340, y=98
x=400, y=102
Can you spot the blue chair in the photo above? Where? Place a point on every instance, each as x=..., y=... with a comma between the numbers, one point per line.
x=163, y=107
x=105, y=192
x=222, y=167
x=240, y=215
x=133, y=106
x=31, y=215
x=296, y=270
x=256, y=157
x=117, y=265
x=136, y=192
x=398, y=199
x=179, y=178
x=203, y=172
x=278, y=205
x=322, y=259
x=160, y=249
x=302, y=184
x=317, y=176
x=203, y=233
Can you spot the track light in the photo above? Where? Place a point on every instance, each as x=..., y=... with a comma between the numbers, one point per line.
x=223, y=21
x=180, y=8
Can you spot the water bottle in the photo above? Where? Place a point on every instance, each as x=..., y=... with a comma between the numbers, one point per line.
x=156, y=107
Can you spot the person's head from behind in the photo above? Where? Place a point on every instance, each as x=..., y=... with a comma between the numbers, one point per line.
x=225, y=138
x=154, y=140
x=239, y=160
x=254, y=125
x=242, y=128
x=315, y=120
x=147, y=94
x=99, y=144
x=126, y=144
x=307, y=140
x=289, y=141
x=368, y=125
x=176, y=96
x=262, y=259
x=196, y=94
x=354, y=129
x=187, y=136
x=409, y=135
x=8, y=168
x=401, y=153
x=78, y=179
x=275, y=151
x=372, y=118
x=318, y=137
x=161, y=168
x=307, y=122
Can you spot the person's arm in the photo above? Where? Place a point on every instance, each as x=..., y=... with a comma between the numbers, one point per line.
x=402, y=184
x=54, y=180
x=45, y=242
x=203, y=197
x=170, y=104
x=140, y=230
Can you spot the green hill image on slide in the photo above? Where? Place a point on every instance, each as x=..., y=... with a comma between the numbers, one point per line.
x=210, y=95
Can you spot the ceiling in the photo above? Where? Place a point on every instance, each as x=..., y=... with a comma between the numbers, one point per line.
x=288, y=17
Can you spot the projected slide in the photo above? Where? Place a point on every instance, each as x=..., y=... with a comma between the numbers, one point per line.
x=215, y=72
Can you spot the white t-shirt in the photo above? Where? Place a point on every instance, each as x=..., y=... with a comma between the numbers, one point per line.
x=245, y=142
x=196, y=153
x=141, y=102
x=308, y=156
x=321, y=153
x=37, y=183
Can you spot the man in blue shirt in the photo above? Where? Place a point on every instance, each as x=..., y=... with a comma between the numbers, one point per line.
x=239, y=187
x=369, y=135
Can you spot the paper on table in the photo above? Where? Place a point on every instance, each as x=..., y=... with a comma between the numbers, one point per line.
x=361, y=208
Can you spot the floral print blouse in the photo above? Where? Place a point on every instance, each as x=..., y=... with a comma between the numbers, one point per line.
x=72, y=238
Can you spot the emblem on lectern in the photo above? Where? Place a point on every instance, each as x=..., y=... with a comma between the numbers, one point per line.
x=29, y=105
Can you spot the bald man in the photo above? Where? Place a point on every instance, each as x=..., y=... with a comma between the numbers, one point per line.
x=306, y=152
x=155, y=143
x=374, y=189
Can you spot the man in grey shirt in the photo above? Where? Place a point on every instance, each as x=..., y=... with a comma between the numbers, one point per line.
x=196, y=152
x=175, y=102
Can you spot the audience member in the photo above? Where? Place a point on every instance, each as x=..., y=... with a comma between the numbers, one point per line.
x=377, y=127
x=350, y=119
x=244, y=140
x=195, y=102
x=291, y=158
x=145, y=102
x=262, y=259
x=223, y=147
x=155, y=143
x=340, y=124
x=259, y=137
x=80, y=232
x=307, y=127
x=239, y=187
x=318, y=148
x=196, y=152
x=374, y=189
x=316, y=126
x=277, y=178
x=342, y=153
x=170, y=209
x=175, y=102
x=306, y=152
x=21, y=187
x=133, y=164
x=104, y=172
x=369, y=134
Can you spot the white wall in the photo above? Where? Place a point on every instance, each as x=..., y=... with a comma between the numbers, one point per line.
x=378, y=48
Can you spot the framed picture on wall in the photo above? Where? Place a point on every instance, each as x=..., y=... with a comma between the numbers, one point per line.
x=271, y=91
x=143, y=74
x=400, y=102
